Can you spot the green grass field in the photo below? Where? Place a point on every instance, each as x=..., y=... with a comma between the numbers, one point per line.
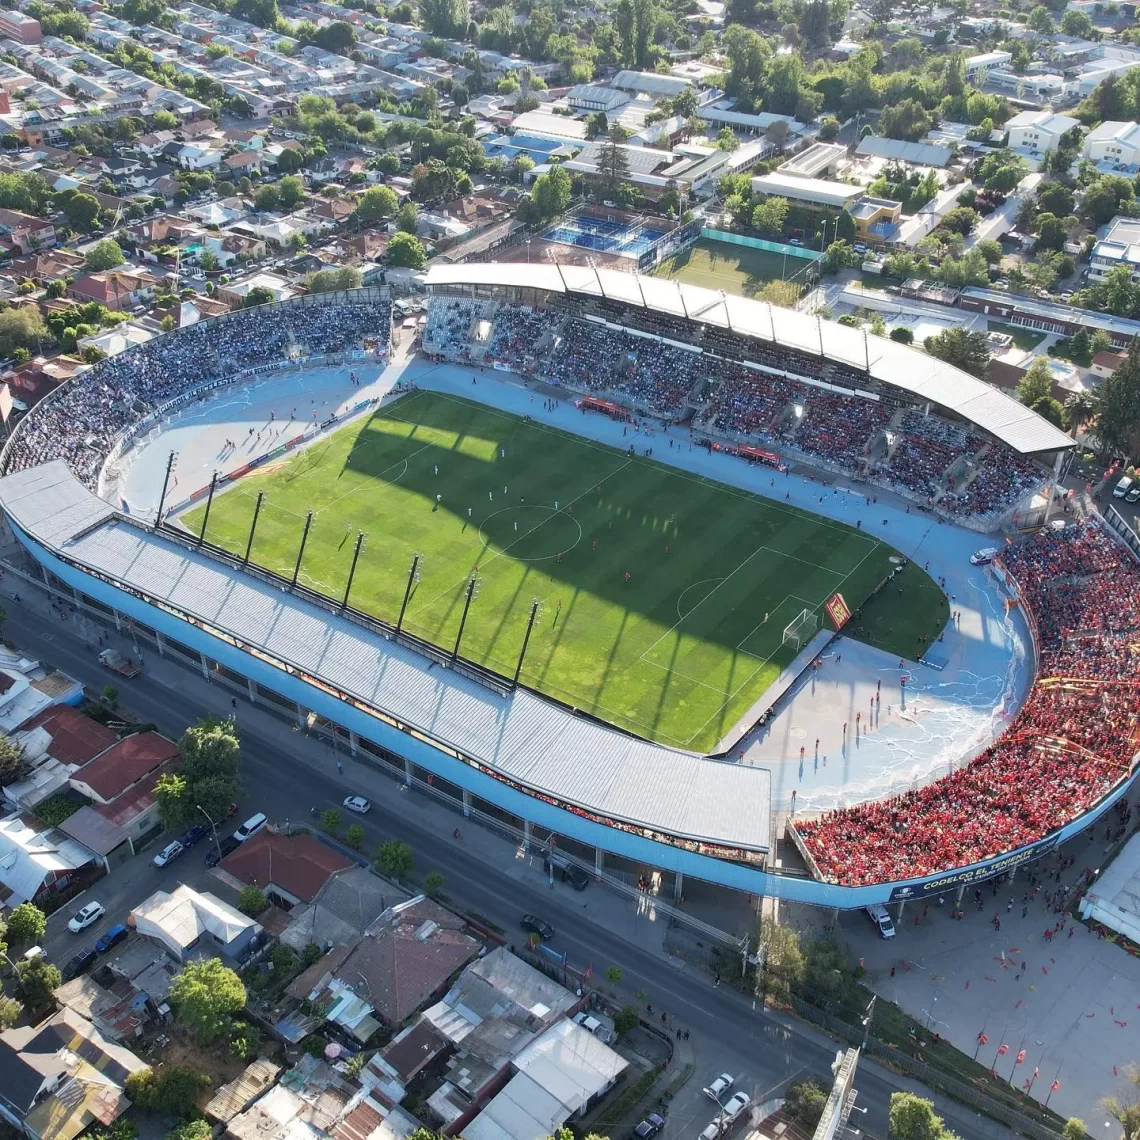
x=733, y=268
x=677, y=653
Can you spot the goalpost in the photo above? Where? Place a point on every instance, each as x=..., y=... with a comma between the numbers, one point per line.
x=801, y=629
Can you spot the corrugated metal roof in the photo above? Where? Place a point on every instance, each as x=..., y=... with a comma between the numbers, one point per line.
x=527, y=738
x=903, y=367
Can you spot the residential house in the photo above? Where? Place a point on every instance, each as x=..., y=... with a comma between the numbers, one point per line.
x=19, y=27
x=198, y=156
x=61, y=1077
x=1114, y=143
x=47, y=265
x=288, y=869
x=195, y=924
x=1105, y=364
x=1038, y=132
x=978, y=67
x=344, y=908
x=234, y=1098
x=498, y=1007
x=407, y=957
x=35, y=863
x=1120, y=246
x=33, y=379
x=235, y=292
x=120, y=782
x=307, y=1101
x=118, y=289
x=24, y=233
x=117, y=1010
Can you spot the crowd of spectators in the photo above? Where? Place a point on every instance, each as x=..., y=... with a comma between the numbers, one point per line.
x=838, y=428
x=1004, y=477
x=748, y=402
x=80, y=422
x=1072, y=741
x=516, y=333
x=448, y=329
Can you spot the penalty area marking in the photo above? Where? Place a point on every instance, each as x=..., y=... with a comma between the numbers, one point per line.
x=692, y=586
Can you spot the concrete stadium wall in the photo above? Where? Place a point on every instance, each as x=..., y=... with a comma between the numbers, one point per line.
x=421, y=752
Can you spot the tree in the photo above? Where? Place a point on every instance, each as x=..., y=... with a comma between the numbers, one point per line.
x=252, y=901
x=907, y=120
x=164, y=121
x=1051, y=231
x=334, y=280
x=290, y=192
x=395, y=858
x=207, y=260
x=191, y=1130
x=267, y=199
x=966, y=350
x=1050, y=409
x=206, y=994
x=376, y=204
x=387, y=163
x=245, y=1039
x=913, y=1118
x=1074, y=1129
x=174, y=1091
x=26, y=924
x=1036, y=383
x=433, y=884
x=408, y=218
x=1078, y=24
x=781, y=293
x=804, y=1102
x=1041, y=21
x=613, y=165
x=769, y=216
x=21, y=328
x=726, y=139
x=614, y=975
x=38, y=979
x=989, y=249
x=1118, y=419
x=783, y=961
x=1104, y=199
x=626, y=1019
x=330, y=820
x=354, y=837
x=902, y=335
x=960, y=220
x=1055, y=198
x=551, y=193
x=259, y=295
x=829, y=128
x=105, y=255
x=444, y=18
x=82, y=211
x=13, y=766
x=10, y=1011
x=407, y=251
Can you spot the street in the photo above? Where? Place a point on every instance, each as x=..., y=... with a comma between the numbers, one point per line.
x=286, y=783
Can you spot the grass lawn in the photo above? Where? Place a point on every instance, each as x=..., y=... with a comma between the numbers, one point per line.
x=1025, y=339
x=675, y=653
x=733, y=268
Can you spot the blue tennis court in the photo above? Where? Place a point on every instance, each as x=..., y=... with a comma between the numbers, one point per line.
x=606, y=235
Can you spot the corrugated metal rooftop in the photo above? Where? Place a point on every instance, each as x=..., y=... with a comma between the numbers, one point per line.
x=926, y=377
x=527, y=738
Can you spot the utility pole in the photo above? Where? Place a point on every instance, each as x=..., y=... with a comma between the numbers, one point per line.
x=209, y=503
x=162, y=497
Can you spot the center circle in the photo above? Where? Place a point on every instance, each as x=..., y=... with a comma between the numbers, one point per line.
x=531, y=532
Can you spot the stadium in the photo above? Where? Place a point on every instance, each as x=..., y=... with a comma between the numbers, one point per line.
x=595, y=562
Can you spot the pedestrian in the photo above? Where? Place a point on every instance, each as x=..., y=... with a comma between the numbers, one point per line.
x=716, y=980
x=438, y=500
x=340, y=767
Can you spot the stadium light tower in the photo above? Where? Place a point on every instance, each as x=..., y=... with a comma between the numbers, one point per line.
x=413, y=578
x=352, y=569
x=162, y=496
x=535, y=610
x=472, y=591
x=209, y=503
x=301, y=548
x=253, y=527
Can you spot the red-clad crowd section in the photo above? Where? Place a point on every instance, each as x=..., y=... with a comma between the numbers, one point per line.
x=1072, y=741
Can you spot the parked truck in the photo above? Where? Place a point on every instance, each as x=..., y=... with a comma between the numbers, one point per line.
x=117, y=663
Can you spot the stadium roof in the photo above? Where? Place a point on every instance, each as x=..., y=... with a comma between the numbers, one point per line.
x=924, y=377
x=531, y=741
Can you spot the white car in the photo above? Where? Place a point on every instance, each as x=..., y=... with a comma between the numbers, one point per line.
x=723, y=1121
x=984, y=556
x=719, y=1087
x=357, y=804
x=85, y=916
x=168, y=854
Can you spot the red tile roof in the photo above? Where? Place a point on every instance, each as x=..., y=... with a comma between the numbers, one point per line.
x=127, y=762
x=298, y=864
x=75, y=738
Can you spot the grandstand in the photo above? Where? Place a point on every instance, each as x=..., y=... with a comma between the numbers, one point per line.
x=743, y=372
x=771, y=384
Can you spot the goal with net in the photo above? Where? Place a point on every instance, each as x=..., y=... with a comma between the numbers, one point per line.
x=801, y=629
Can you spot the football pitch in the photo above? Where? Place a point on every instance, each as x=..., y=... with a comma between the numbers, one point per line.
x=731, y=268
x=664, y=595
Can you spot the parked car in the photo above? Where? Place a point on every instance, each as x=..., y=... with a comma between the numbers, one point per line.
x=1134, y=494
x=720, y=1086
x=111, y=938
x=193, y=834
x=78, y=964
x=567, y=871
x=535, y=925
x=723, y=1121
x=649, y=1127
x=86, y=916
x=251, y=826
x=168, y=854
x=213, y=858
x=984, y=556
x=357, y=804
x=1123, y=487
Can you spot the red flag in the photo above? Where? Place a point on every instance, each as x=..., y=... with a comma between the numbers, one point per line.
x=1020, y=1057
x=590, y=971
x=982, y=1039
x=1054, y=1086
x=1002, y=1050
x=1036, y=1073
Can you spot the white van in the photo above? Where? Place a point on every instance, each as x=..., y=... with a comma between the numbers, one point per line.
x=251, y=827
x=878, y=915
